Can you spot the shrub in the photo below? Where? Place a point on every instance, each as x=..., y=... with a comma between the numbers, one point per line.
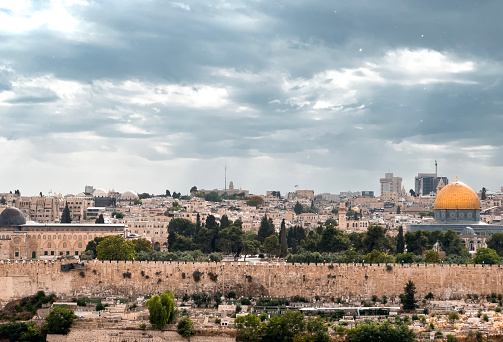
x=213, y=276
x=127, y=275
x=451, y=338
x=143, y=326
x=196, y=275
x=497, y=309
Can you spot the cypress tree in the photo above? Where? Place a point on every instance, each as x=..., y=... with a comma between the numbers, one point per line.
x=66, y=217
x=282, y=240
x=400, y=241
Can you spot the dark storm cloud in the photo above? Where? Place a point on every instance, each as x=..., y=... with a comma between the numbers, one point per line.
x=348, y=85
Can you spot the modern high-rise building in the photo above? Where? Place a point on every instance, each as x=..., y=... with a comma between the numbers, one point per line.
x=390, y=184
x=427, y=183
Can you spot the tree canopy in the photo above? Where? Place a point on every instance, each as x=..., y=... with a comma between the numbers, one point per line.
x=162, y=309
x=115, y=247
x=59, y=321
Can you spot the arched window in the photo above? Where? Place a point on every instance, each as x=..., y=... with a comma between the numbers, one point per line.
x=64, y=244
x=48, y=245
x=80, y=245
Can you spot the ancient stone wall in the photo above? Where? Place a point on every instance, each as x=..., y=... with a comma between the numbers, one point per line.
x=18, y=279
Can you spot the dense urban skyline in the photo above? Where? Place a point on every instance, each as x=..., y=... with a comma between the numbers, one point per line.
x=157, y=95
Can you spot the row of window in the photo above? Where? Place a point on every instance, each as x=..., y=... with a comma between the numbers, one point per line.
x=75, y=237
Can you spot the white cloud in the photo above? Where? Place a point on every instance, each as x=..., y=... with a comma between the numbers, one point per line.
x=21, y=16
x=180, y=5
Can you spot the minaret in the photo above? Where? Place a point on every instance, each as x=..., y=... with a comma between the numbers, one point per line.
x=342, y=216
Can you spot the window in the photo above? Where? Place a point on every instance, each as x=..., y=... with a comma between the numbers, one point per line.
x=45, y=252
x=76, y=252
x=52, y=252
x=16, y=254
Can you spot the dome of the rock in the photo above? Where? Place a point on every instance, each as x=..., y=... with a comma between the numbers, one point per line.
x=457, y=195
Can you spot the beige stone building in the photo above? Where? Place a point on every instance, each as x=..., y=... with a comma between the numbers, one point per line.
x=40, y=209
x=19, y=240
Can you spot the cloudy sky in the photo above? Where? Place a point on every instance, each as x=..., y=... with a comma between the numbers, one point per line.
x=326, y=95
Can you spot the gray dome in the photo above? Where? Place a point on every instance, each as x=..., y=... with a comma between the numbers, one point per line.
x=468, y=231
x=12, y=217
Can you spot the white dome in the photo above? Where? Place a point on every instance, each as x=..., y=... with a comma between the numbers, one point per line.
x=99, y=192
x=129, y=194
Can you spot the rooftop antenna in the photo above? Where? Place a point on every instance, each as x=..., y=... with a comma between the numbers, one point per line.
x=225, y=185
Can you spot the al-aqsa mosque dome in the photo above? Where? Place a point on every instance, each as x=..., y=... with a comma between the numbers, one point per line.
x=457, y=202
x=12, y=216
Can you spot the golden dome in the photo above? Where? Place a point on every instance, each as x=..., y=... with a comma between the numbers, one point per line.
x=457, y=195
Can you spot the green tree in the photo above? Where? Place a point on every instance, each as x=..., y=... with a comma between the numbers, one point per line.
x=185, y=328
x=3, y=201
x=20, y=331
x=213, y=197
x=115, y=247
x=255, y=201
x=408, y=298
x=400, y=241
x=496, y=242
x=142, y=245
x=333, y=240
x=162, y=309
x=405, y=258
x=451, y=243
x=376, y=257
x=65, y=216
x=182, y=227
x=298, y=208
x=250, y=243
x=266, y=229
x=117, y=214
x=230, y=239
x=483, y=194
x=431, y=257
x=100, y=219
x=249, y=328
x=271, y=246
x=282, y=240
x=144, y=195
x=382, y=332
x=294, y=236
x=224, y=222
x=416, y=242
x=59, y=321
x=398, y=210
x=486, y=256
x=137, y=201
x=91, y=246
x=375, y=239
x=284, y=328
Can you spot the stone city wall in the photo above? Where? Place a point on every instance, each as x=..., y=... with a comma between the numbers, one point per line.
x=18, y=279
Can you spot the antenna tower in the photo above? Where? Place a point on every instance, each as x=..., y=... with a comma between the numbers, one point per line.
x=225, y=180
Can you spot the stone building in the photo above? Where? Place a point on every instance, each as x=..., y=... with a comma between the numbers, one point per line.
x=21, y=240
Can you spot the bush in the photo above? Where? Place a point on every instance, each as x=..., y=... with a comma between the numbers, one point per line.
x=213, y=276
x=196, y=275
x=497, y=309
x=143, y=326
x=59, y=321
x=451, y=338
